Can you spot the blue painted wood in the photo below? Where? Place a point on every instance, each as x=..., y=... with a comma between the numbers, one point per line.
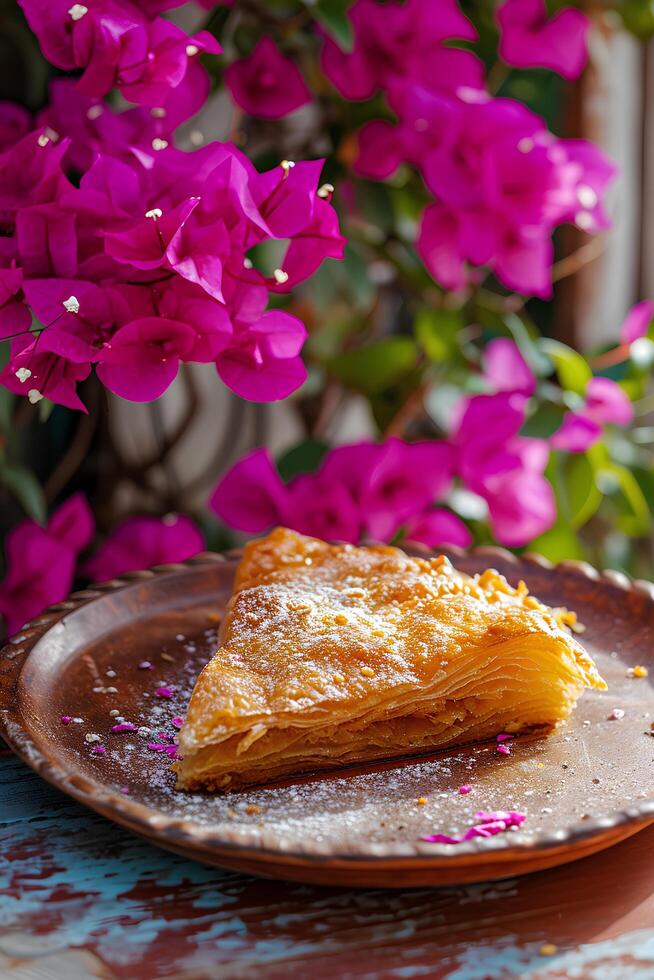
x=81, y=898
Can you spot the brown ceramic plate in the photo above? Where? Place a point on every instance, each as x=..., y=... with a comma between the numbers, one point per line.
x=585, y=787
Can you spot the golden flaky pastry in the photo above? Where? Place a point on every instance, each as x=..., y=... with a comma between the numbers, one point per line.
x=331, y=654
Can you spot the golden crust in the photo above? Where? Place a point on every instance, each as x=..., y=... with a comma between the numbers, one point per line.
x=332, y=654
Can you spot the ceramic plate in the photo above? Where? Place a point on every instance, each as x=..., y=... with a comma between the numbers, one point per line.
x=585, y=787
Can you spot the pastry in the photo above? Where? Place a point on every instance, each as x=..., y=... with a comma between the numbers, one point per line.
x=333, y=654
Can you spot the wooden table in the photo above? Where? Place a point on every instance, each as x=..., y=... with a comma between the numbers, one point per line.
x=80, y=898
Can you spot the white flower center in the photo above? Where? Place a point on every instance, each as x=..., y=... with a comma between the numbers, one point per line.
x=77, y=11
x=584, y=220
x=586, y=196
x=71, y=305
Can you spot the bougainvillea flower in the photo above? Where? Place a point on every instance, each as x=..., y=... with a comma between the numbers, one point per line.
x=576, y=434
x=607, y=402
x=360, y=490
x=381, y=150
x=145, y=244
x=165, y=65
x=524, y=263
x=49, y=366
x=286, y=197
x=438, y=528
x=117, y=44
x=505, y=469
x=251, y=496
x=594, y=172
x=142, y=542
x=320, y=239
x=521, y=505
x=263, y=363
x=72, y=523
x=356, y=74
x=439, y=246
x=95, y=127
x=450, y=240
x=46, y=242
x=390, y=40
x=488, y=825
x=267, y=84
x=159, y=235
x=322, y=508
x=505, y=369
x=502, y=184
x=529, y=39
x=210, y=322
x=30, y=172
x=142, y=359
x=41, y=561
x=637, y=321
x=15, y=317
x=404, y=480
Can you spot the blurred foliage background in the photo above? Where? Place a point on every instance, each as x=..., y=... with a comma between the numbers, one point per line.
x=381, y=332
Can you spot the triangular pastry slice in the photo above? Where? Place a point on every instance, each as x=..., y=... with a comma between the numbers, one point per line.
x=333, y=654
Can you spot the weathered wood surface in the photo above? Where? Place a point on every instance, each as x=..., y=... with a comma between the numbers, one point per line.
x=80, y=898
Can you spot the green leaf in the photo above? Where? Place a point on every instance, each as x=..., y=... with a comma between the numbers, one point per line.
x=332, y=14
x=572, y=369
x=559, y=543
x=645, y=478
x=373, y=368
x=638, y=17
x=633, y=510
x=436, y=332
x=578, y=484
x=306, y=457
x=25, y=487
x=538, y=363
x=543, y=423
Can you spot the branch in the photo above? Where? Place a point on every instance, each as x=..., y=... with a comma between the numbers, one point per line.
x=412, y=409
x=76, y=452
x=577, y=260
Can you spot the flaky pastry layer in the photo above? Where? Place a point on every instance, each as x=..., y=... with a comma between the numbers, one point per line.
x=331, y=655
